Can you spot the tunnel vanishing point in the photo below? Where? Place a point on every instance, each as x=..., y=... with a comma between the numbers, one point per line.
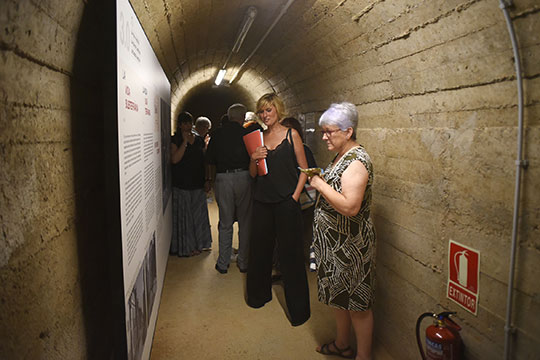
x=434, y=82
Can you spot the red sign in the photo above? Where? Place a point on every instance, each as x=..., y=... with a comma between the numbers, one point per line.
x=463, y=274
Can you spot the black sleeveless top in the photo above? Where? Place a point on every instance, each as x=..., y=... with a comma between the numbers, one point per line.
x=280, y=182
x=189, y=173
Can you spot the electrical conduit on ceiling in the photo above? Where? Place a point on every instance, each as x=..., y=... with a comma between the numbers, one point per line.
x=282, y=12
x=520, y=165
x=249, y=17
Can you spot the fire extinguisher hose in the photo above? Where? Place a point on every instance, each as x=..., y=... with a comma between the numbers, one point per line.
x=424, y=315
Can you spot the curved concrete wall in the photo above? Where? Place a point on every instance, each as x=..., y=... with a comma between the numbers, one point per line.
x=435, y=87
x=40, y=295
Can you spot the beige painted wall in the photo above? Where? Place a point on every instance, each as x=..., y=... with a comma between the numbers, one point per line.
x=434, y=84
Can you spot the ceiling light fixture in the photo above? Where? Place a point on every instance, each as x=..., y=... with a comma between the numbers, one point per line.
x=220, y=76
x=249, y=17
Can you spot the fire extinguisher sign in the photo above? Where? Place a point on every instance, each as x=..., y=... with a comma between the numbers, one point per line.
x=463, y=276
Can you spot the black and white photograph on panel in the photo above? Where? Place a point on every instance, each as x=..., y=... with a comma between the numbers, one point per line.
x=150, y=275
x=137, y=319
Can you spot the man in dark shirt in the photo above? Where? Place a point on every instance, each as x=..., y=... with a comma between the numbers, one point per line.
x=232, y=186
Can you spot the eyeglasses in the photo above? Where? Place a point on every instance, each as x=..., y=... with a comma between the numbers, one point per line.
x=328, y=133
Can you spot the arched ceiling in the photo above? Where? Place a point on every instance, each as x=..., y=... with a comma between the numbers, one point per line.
x=193, y=38
x=206, y=99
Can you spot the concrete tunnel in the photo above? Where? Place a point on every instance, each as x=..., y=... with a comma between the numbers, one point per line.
x=434, y=83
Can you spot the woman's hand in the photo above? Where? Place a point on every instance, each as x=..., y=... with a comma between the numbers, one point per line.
x=316, y=182
x=353, y=185
x=188, y=137
x=260, y=153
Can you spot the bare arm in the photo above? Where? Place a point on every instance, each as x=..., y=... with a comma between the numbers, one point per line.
x=210, y=177
x=252, y=168
x=177, y=152
x=210, y=172
x=353, y=186
x=259, y=154
x=302, y=162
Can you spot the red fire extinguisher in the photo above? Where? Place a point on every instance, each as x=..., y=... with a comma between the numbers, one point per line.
x=443, y=341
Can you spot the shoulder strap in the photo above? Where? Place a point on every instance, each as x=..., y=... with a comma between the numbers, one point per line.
x=289, y=137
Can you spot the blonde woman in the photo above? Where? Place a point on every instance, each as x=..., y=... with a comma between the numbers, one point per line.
x=277, y=215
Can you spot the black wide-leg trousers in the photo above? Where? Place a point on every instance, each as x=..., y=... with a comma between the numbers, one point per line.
x=282, y=223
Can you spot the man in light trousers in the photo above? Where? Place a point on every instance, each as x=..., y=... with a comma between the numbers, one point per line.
x=232, y=187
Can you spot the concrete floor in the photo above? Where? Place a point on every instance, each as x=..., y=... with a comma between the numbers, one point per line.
x=203, y=315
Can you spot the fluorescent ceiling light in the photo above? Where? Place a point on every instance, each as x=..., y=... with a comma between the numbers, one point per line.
x=234, y=76
x=220, y=76
x=251, y=13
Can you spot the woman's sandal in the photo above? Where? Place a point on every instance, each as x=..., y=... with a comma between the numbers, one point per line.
x=325, y=350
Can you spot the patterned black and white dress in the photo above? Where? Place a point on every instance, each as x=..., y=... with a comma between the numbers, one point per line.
x=345, y=245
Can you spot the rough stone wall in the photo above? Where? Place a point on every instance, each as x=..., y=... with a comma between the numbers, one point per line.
x=53, y=262
x=434, y=83
x=40, y=296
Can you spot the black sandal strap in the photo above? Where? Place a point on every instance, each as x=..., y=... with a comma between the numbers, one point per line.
x=340, y=351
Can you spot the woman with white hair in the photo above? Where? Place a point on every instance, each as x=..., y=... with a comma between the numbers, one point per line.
x=344, y=236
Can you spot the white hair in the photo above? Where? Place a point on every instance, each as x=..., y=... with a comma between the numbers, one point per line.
x=342, y=115
x=251, y=116
x=237, y=112
x=203, y=119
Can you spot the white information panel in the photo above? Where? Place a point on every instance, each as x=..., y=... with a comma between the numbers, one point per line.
x=143, y=144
